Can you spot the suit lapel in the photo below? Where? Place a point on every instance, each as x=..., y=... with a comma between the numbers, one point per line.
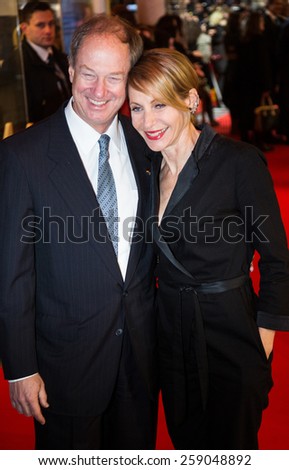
x=72, y=183
x=185, y=181
x=189, y=174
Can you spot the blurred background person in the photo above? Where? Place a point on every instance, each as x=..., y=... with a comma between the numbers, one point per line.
x=232, y=37
x=274, y=20
x=253, y=80
x=169, y=33
x=283, y=67
x=123, y=12
x=45, y=66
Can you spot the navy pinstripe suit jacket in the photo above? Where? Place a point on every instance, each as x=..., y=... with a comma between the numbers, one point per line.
x=63, y=301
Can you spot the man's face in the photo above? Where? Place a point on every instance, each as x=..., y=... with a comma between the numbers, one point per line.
x=276, y=7
x=98, y=80
x=41, y=28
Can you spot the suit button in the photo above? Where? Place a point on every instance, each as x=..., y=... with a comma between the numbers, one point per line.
x=118, y=332
x=125, y=293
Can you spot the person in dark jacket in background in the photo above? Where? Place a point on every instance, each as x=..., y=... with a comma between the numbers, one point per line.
x=253, y=80
x=283, y=67
x=45, y=67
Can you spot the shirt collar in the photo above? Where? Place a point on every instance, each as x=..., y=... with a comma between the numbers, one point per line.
x=42, y=52
x=78, y=128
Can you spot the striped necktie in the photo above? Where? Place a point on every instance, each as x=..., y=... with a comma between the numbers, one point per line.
x=106, y=191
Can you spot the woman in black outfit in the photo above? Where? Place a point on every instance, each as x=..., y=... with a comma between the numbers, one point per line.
x=210, y=194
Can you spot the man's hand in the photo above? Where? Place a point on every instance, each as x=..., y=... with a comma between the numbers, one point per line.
x=28, y=395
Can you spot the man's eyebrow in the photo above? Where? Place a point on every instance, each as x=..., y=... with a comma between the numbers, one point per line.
x=85, y=67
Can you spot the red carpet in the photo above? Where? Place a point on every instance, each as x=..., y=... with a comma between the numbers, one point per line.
x=16, y=432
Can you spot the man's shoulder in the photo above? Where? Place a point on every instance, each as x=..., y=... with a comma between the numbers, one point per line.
x=28, y=51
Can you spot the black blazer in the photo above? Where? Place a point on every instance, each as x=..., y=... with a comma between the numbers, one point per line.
x=63, y=300
x=44, y=92
x=221, y=211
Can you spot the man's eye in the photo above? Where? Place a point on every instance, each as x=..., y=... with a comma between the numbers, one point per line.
x=88, y=76
x=51, y=24
x=115, y=79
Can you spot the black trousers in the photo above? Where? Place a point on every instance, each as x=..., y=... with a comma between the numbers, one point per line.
x=129, y=422
x=231, y=420
x=238, y=372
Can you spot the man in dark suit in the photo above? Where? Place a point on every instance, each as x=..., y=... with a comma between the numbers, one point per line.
x=77, y=324
x=47, y=83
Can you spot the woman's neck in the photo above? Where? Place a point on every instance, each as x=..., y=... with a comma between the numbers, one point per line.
x=175, y=158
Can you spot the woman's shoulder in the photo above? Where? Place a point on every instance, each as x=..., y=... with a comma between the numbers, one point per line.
x=234, y=148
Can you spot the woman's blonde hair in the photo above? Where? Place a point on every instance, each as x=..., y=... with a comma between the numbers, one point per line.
x=166, y=74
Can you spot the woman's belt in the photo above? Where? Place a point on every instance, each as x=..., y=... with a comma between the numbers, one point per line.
x=220, y=286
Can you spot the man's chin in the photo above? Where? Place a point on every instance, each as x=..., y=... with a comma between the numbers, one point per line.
x=48, y=44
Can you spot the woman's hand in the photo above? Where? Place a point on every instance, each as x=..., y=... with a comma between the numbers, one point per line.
x=267, y=338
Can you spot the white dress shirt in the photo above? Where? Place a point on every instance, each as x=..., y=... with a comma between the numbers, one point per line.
x=126, y=188
x=42, y=52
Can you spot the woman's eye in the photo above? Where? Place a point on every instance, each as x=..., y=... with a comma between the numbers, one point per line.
x=160, y=105
x=135, y=109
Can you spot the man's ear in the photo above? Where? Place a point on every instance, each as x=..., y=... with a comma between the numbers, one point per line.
x=71, y=73
x=23, y=26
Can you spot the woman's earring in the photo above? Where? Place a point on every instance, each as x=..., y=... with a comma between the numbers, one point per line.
x=194, y=108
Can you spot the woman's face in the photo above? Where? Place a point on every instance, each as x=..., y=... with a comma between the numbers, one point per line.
x=160, y=125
